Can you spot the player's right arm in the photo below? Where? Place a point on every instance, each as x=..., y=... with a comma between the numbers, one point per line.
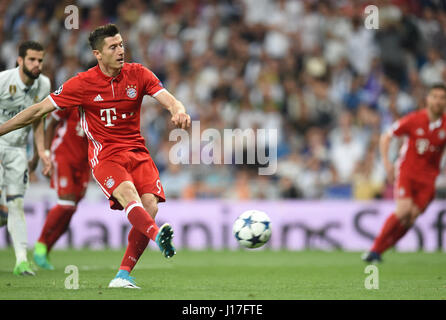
x=27, y=116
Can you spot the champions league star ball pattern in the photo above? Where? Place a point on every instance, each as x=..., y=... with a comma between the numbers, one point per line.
x=252, y=229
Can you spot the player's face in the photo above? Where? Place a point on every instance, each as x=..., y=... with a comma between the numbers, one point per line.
x=436, y=101
x=112, y=54
x=32, y=63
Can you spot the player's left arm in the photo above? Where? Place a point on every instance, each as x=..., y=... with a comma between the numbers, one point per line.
x=176, y=108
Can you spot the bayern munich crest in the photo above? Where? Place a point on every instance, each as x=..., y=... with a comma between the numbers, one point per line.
x=131, y=91
x=110, y=182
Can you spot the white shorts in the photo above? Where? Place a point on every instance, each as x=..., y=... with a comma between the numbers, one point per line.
x=14, y=173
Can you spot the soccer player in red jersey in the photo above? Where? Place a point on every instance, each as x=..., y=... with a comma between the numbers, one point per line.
x=109, y=97
x=70, y=176
x=416, y=169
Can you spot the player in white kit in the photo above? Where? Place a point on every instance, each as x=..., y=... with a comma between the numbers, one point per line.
x=20, y=88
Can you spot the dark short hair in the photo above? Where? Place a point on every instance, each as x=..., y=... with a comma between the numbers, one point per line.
x=97, y=36
x=439, y=85
x=29, y=45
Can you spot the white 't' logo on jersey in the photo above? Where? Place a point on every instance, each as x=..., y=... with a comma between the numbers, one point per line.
x=108, y=116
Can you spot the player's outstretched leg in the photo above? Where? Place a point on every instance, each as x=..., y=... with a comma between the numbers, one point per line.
x=164, y=240
x=137, y=243
x=144, y=223
x=392, y=230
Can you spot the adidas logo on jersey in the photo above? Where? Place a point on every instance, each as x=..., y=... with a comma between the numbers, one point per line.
x=98, y=98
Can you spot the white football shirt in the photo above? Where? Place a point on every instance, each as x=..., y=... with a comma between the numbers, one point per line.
x=15, y=96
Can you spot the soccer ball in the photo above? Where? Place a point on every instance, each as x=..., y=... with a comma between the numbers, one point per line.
x=252, y=229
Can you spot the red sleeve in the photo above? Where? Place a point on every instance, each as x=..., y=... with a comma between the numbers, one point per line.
x=68, y=95
x=152, y=85
x=402, y=126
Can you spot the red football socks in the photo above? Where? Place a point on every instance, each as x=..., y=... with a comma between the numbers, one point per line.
x=391, y=232
x=135, y=247
x=144, y=228
x=399, y=233
x=141, y=220
x=56, y=224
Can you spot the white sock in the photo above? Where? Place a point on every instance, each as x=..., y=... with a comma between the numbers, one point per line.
x=17, y=228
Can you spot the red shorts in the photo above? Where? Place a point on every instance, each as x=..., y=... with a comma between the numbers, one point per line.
x=421, y=192
x=69, y=178
x=135, y=166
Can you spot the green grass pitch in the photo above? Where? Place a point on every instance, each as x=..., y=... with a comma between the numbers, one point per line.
x=232, y=275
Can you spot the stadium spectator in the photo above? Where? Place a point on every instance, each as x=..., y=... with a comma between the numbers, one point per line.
x=369, y=174
x=432, y=71
x=346, y=142
x=360, y=47
x=393, y=102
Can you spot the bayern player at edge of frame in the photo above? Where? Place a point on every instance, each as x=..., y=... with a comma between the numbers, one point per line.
x=416, y=169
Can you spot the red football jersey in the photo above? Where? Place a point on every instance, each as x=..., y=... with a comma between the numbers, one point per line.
x=69, y=140
x=109, y=107
x=421, y=153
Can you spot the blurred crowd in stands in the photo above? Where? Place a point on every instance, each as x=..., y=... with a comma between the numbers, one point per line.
x=310, y=69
